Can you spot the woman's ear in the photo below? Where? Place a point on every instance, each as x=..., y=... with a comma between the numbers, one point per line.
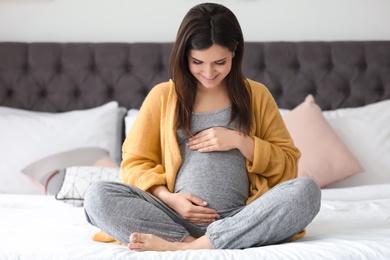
x=234, y=52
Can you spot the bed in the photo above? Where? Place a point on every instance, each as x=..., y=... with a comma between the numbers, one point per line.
x=65, y=109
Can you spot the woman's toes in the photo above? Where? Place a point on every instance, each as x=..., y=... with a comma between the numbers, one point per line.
x=134, y=238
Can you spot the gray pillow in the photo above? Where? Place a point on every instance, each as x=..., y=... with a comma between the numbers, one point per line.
x=119, y=134
x=46, y=171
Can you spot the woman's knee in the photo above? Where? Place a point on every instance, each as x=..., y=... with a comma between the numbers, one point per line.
x=310, y=194
x=96, y=195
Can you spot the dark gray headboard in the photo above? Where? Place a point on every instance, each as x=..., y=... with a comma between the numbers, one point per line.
x=59, y=77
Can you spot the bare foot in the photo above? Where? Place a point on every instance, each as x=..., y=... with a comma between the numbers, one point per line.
x=148, y=242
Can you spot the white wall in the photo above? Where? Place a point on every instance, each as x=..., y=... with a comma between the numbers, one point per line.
x=158, y=20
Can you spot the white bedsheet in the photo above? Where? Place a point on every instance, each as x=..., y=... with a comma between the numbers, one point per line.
x=354, y=223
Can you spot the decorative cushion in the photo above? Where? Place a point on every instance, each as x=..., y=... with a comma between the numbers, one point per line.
x=78, y=179
x=325, y=158
x=30, y=136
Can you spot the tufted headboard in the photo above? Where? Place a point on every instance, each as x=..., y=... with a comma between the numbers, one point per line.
x=57, y=77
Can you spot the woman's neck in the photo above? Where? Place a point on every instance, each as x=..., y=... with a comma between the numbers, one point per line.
x=211, y=100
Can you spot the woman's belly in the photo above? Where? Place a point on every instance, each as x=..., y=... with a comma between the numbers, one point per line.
x=220, y=178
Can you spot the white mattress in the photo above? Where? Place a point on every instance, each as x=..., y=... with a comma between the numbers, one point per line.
x=354, y=223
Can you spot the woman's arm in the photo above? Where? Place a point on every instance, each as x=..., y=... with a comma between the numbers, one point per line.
x=275, y=155
x=142, y=152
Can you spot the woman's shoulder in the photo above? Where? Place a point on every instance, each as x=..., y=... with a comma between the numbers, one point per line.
x=258, y=89
x=256, y=86
x=161, y=91
x=163, y=88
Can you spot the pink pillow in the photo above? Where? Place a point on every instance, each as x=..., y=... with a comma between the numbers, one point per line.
x=325, y=158
x=106, y=162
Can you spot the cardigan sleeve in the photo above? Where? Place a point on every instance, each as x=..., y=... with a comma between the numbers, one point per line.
x=275, y=155
x=141, y=151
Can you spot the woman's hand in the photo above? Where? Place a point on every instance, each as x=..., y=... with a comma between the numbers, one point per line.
x=214, y=139
x=189, y=207
x=192, y=208
x=222, y=139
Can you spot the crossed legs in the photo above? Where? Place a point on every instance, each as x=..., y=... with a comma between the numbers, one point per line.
x=273, y=218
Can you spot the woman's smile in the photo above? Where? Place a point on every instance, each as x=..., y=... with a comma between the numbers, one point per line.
x=209, y=78
x=210, y=66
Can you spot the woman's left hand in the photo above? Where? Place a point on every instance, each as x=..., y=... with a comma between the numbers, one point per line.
x=214, y=139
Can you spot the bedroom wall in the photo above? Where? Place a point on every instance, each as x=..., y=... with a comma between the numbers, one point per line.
x=157, y=20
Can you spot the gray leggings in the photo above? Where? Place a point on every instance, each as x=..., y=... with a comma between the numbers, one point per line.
x=273, y=218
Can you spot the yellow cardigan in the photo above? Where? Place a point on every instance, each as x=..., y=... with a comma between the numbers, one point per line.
x=151, y=154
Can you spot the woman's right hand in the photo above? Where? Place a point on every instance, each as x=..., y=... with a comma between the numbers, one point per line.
x=188, y=206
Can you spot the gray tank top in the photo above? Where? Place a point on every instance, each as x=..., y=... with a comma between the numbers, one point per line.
x=220, y=178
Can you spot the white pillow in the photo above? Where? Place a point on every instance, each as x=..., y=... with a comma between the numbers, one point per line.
x=130, y=119
x=366, y=131
x=28, y=136
x=116, y=154
x=284, y=111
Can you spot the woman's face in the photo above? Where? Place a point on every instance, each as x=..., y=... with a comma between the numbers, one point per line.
x=210, y=66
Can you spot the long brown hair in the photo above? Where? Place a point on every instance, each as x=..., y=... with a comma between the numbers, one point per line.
x=204, y=25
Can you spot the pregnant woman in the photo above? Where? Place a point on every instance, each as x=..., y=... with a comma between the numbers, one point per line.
x=209, y=162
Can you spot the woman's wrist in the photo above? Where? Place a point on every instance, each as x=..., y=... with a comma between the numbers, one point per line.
x=161, y=192
x=246, y=146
